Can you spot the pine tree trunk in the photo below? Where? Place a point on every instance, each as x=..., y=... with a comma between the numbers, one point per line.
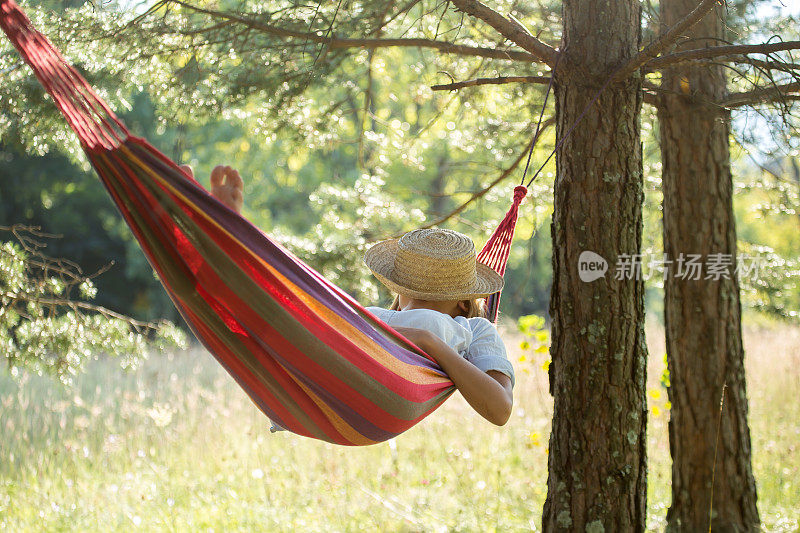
x=703, y=316
x=597, y=455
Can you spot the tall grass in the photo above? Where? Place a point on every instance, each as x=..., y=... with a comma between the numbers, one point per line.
x=177, y=446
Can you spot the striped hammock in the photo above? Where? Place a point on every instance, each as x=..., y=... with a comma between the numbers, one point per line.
x=309, y=356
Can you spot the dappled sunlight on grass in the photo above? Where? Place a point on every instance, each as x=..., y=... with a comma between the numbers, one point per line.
x=177, y=445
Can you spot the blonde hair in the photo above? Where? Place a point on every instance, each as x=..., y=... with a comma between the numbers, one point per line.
x=474, y=307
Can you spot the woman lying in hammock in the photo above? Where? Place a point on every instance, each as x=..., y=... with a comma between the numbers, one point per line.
x=440, y=287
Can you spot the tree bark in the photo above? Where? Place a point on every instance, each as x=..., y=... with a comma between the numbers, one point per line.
x=597, y=455
x=703, y=316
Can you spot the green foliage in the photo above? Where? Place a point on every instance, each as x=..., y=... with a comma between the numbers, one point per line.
x=772, y=282
x=49, y=326
x=65, y=199
x=535, y=345
x=767, y=207
x=664, y=379
x=349, y=218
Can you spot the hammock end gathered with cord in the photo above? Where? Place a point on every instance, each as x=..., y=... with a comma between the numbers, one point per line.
x=497, y=249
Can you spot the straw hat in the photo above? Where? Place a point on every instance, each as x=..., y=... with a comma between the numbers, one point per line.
x=432, y=264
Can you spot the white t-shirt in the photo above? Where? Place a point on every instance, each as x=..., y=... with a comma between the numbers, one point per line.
x=475, y=339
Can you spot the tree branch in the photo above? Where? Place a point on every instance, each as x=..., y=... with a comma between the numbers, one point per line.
x=500, y=80
x=503, y=175
x=763, y=95
x=77, y=305
x=718, y=52
x=761, y=64
x=651, y=99
x=39, y=268
x=335, y=43
x=666, y=39
x=651, y=93
x=508, y=28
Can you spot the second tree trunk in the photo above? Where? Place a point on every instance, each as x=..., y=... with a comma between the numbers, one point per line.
x=703, y=316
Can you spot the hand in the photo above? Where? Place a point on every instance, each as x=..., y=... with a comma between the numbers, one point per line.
x=420, y=337
x=227, y=185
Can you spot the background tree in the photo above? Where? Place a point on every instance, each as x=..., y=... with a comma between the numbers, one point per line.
x=710, y=448
x=51, y=193
x=703, y=316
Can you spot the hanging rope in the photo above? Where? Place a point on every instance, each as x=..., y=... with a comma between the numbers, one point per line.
x=539, y=122
x=585, y=110
x=497, y=249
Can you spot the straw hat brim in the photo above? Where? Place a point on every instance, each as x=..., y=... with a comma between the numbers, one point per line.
x=380, y=260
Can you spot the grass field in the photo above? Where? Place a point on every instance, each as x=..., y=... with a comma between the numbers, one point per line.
x=176, y=446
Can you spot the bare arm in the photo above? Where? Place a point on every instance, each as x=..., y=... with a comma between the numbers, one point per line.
x=489, y=393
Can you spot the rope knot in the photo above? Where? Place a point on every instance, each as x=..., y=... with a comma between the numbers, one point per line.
x=520, y=191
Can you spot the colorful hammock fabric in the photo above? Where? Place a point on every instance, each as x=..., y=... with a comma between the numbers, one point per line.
x=309, y=356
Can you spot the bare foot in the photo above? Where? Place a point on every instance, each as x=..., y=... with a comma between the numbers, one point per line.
x=188, y=170
x=227, y=186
